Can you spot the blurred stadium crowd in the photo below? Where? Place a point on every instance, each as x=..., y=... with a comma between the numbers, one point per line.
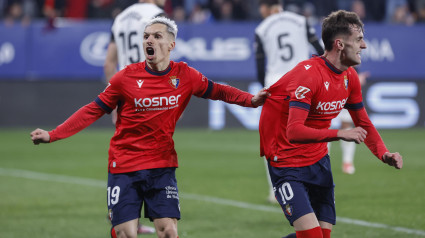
x=406, y=12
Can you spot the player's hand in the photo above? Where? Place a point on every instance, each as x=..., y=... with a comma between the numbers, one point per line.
x=357, y=135
x=260, y=98
x=40, y=136
x=393, y=159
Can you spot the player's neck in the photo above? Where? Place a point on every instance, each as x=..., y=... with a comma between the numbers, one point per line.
x=161, y=66
x=335, y=59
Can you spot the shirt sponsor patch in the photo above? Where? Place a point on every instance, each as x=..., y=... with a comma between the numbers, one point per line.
x=301, y=91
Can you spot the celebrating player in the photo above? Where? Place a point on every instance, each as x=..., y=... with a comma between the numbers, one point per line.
x=126, y=43
x=126, y=47
x=150, y=96
x=283, y=39
x=295, y=120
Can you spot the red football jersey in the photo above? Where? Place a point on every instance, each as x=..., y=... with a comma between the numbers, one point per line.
x=322, y=90
x=149, y=106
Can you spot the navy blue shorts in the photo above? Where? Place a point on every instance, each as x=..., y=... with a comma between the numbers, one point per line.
x=304, y=190
x=156, y=188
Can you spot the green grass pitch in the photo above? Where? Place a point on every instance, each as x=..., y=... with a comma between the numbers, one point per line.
x=59, y=190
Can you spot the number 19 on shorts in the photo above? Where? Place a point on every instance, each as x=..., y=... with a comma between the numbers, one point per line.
x=113, y=195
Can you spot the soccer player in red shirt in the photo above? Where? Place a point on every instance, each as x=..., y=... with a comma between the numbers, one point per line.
x=150, y=96
x=295, y=121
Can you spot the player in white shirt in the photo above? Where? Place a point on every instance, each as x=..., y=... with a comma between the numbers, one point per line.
x=126, y=47
x=282, y=40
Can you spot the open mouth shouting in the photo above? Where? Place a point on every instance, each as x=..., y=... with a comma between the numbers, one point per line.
x=150, y=52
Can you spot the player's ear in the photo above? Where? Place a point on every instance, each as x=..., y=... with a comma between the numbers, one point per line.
x=172, y=46
x=338, y=44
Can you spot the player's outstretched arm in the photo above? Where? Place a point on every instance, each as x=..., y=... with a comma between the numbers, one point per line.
x=357, y=135
x=393, y=159
x=81, y=119
x=260, y=98
x=40, y=136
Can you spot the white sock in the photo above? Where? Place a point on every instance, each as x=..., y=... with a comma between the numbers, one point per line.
x=348, y=150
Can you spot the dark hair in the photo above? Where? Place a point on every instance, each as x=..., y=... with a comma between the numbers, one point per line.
x=338, y=23
x=270, y=2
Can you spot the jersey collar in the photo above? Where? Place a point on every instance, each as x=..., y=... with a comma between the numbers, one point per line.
x=158, y=73
x=331, y=66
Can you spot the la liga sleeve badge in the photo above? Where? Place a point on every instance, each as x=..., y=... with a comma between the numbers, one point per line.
x=301, y=91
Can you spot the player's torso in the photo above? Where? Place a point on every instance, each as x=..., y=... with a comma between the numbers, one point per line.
x=330, y=96
x=329, y=91
x=154, y=95
x=128, y=30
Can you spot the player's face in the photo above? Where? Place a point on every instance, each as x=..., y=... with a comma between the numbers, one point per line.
x=264, y=10
x=157, y=44
x=353, y=45
x=160, y=3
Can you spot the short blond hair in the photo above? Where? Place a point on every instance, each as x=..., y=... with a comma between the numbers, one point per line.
x=170, y=24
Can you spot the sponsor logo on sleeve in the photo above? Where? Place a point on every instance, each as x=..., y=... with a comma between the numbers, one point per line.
x=301, y=91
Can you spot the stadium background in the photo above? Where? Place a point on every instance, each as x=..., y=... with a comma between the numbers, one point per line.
x=46, y=74
x=49, y=67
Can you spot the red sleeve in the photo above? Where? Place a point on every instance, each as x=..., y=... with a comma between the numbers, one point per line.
x=81, y=119
x=297, y=132
x=373, y=140
x=202, y=87
x=228, y=94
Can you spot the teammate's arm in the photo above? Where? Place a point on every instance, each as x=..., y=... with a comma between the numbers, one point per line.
x=260, y=59
x=229, y=94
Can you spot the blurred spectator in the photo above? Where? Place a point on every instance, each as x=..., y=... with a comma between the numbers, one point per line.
x=358, y=7
x=54, y=8
x=19, y=11
x=418, y=9
x=179, y=14
x=199, y=14
x=226, y=11
x=189, y=5
x=398, y=12
x=199, y=11
x=103, y=8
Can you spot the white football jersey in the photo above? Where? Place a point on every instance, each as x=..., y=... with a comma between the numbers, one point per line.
x=128, y=28
x=285, y=42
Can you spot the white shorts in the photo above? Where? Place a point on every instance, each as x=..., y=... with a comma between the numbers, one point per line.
x=343, y=116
